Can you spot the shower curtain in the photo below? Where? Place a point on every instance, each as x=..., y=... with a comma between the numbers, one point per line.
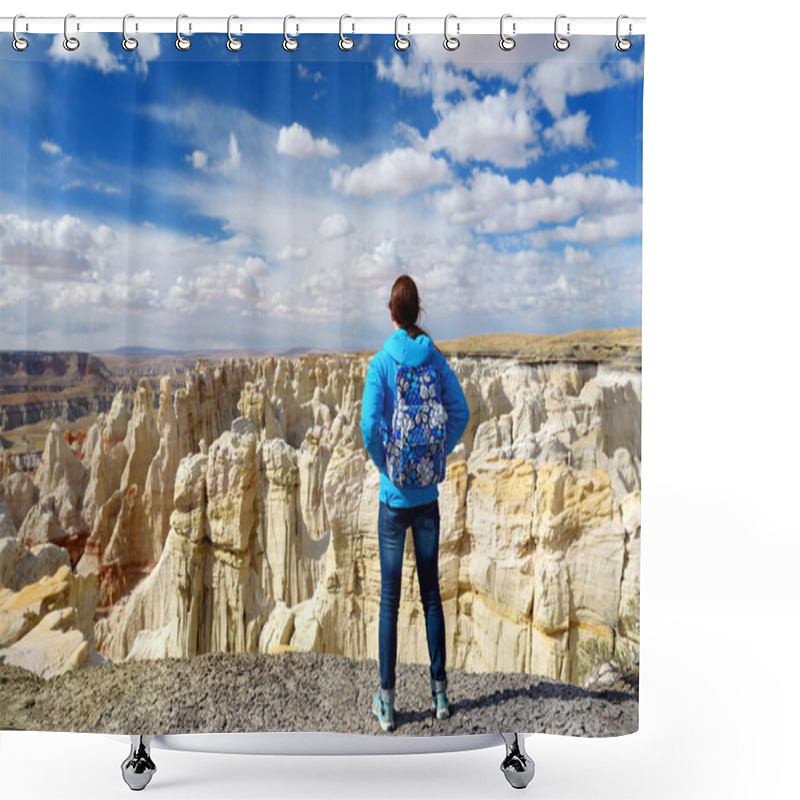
x=197, y=250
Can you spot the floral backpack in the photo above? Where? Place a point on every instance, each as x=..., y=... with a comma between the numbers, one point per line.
x=415, y=454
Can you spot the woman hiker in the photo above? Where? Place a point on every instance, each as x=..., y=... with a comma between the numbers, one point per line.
x=413, y=413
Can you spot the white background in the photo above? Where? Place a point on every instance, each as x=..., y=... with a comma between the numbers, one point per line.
x=720, y=603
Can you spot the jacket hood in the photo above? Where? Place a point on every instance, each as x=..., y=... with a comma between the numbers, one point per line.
x=411, y=352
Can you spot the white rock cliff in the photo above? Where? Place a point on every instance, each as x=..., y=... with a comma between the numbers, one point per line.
x=240, y=515
x=273, y=536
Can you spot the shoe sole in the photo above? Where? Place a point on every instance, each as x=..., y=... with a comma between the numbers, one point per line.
x=387, y=727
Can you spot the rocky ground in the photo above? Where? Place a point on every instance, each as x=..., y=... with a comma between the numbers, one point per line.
x=299, y=692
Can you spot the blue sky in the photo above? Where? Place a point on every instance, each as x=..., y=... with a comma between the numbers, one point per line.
x=264, y=199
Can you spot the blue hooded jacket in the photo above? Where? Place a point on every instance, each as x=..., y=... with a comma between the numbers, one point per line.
x=377, y=408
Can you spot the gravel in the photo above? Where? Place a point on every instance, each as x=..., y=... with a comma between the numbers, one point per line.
x=299, y=692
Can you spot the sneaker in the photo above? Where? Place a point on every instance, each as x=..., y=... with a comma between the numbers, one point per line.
x=383, y=712
x=440, y=704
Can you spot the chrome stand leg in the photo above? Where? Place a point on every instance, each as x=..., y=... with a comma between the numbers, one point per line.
x=517, y=766
x=138, y=768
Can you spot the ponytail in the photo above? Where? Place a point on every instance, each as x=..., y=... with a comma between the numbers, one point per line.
x=405, y=308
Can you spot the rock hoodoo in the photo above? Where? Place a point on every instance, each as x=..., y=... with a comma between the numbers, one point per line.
x=241, y=516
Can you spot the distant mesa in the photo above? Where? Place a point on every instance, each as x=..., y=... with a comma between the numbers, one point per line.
x=134, y=351
x=617, y=347
x=26, y=368
x=293, y=352
x=39, y=385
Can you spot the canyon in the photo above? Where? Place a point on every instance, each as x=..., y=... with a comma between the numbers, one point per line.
x=238, y=514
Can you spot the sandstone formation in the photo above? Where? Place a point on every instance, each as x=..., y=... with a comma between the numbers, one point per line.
x=105, y=499
x=46, y=611
x=133, y=458
x=60, y=482
x=273, y=548
x=241, y=514
x=18, y=492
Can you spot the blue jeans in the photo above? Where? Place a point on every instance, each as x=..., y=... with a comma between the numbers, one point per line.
x=392, y=526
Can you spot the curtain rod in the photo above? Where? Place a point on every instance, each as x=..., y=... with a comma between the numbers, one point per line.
x=461, y=26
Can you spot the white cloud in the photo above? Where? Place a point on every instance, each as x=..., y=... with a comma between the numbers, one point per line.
x=252, y=210
x=533, y=78
x=354, y=287
x=199, y=159
x=93, y=51
x=51, y=148
x=409, y=135
x=494, y=204
x=69, y=263
x=483, y=58
x=540, y=264
x=99, y=50
x=135, y=292
x=94, y=186
x=587, y=66
x=149, y=49
x=559, y=287
x=476, y=200
x=554, y=80
x=498, y=128
x=573, y=256
x=297, y=141
x=143, y=280
x=245, y=287
x=594, y=228
x=315, y=300
x=334, y=226
x=183, y=296
x=305, y=73
x=569, y=131
x=417, y=76
x=234, y=158
x=13, y=294
x=53, y=249
x=626, y=69
x=376, y=267
x=598, y=165
x=290, y=253
x=209, y=285
x=396, y=173
x=256, y=267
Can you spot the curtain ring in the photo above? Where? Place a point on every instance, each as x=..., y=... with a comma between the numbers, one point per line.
x=622, y=44
x=507, y=42
x=561, y=43
x=400, y=42
x=182, y=43
x=128, y=42
x=451, y=42
x=70, y=42
x=233, y=44
x=345, y=42
x=18, y=43
x=289, y=44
